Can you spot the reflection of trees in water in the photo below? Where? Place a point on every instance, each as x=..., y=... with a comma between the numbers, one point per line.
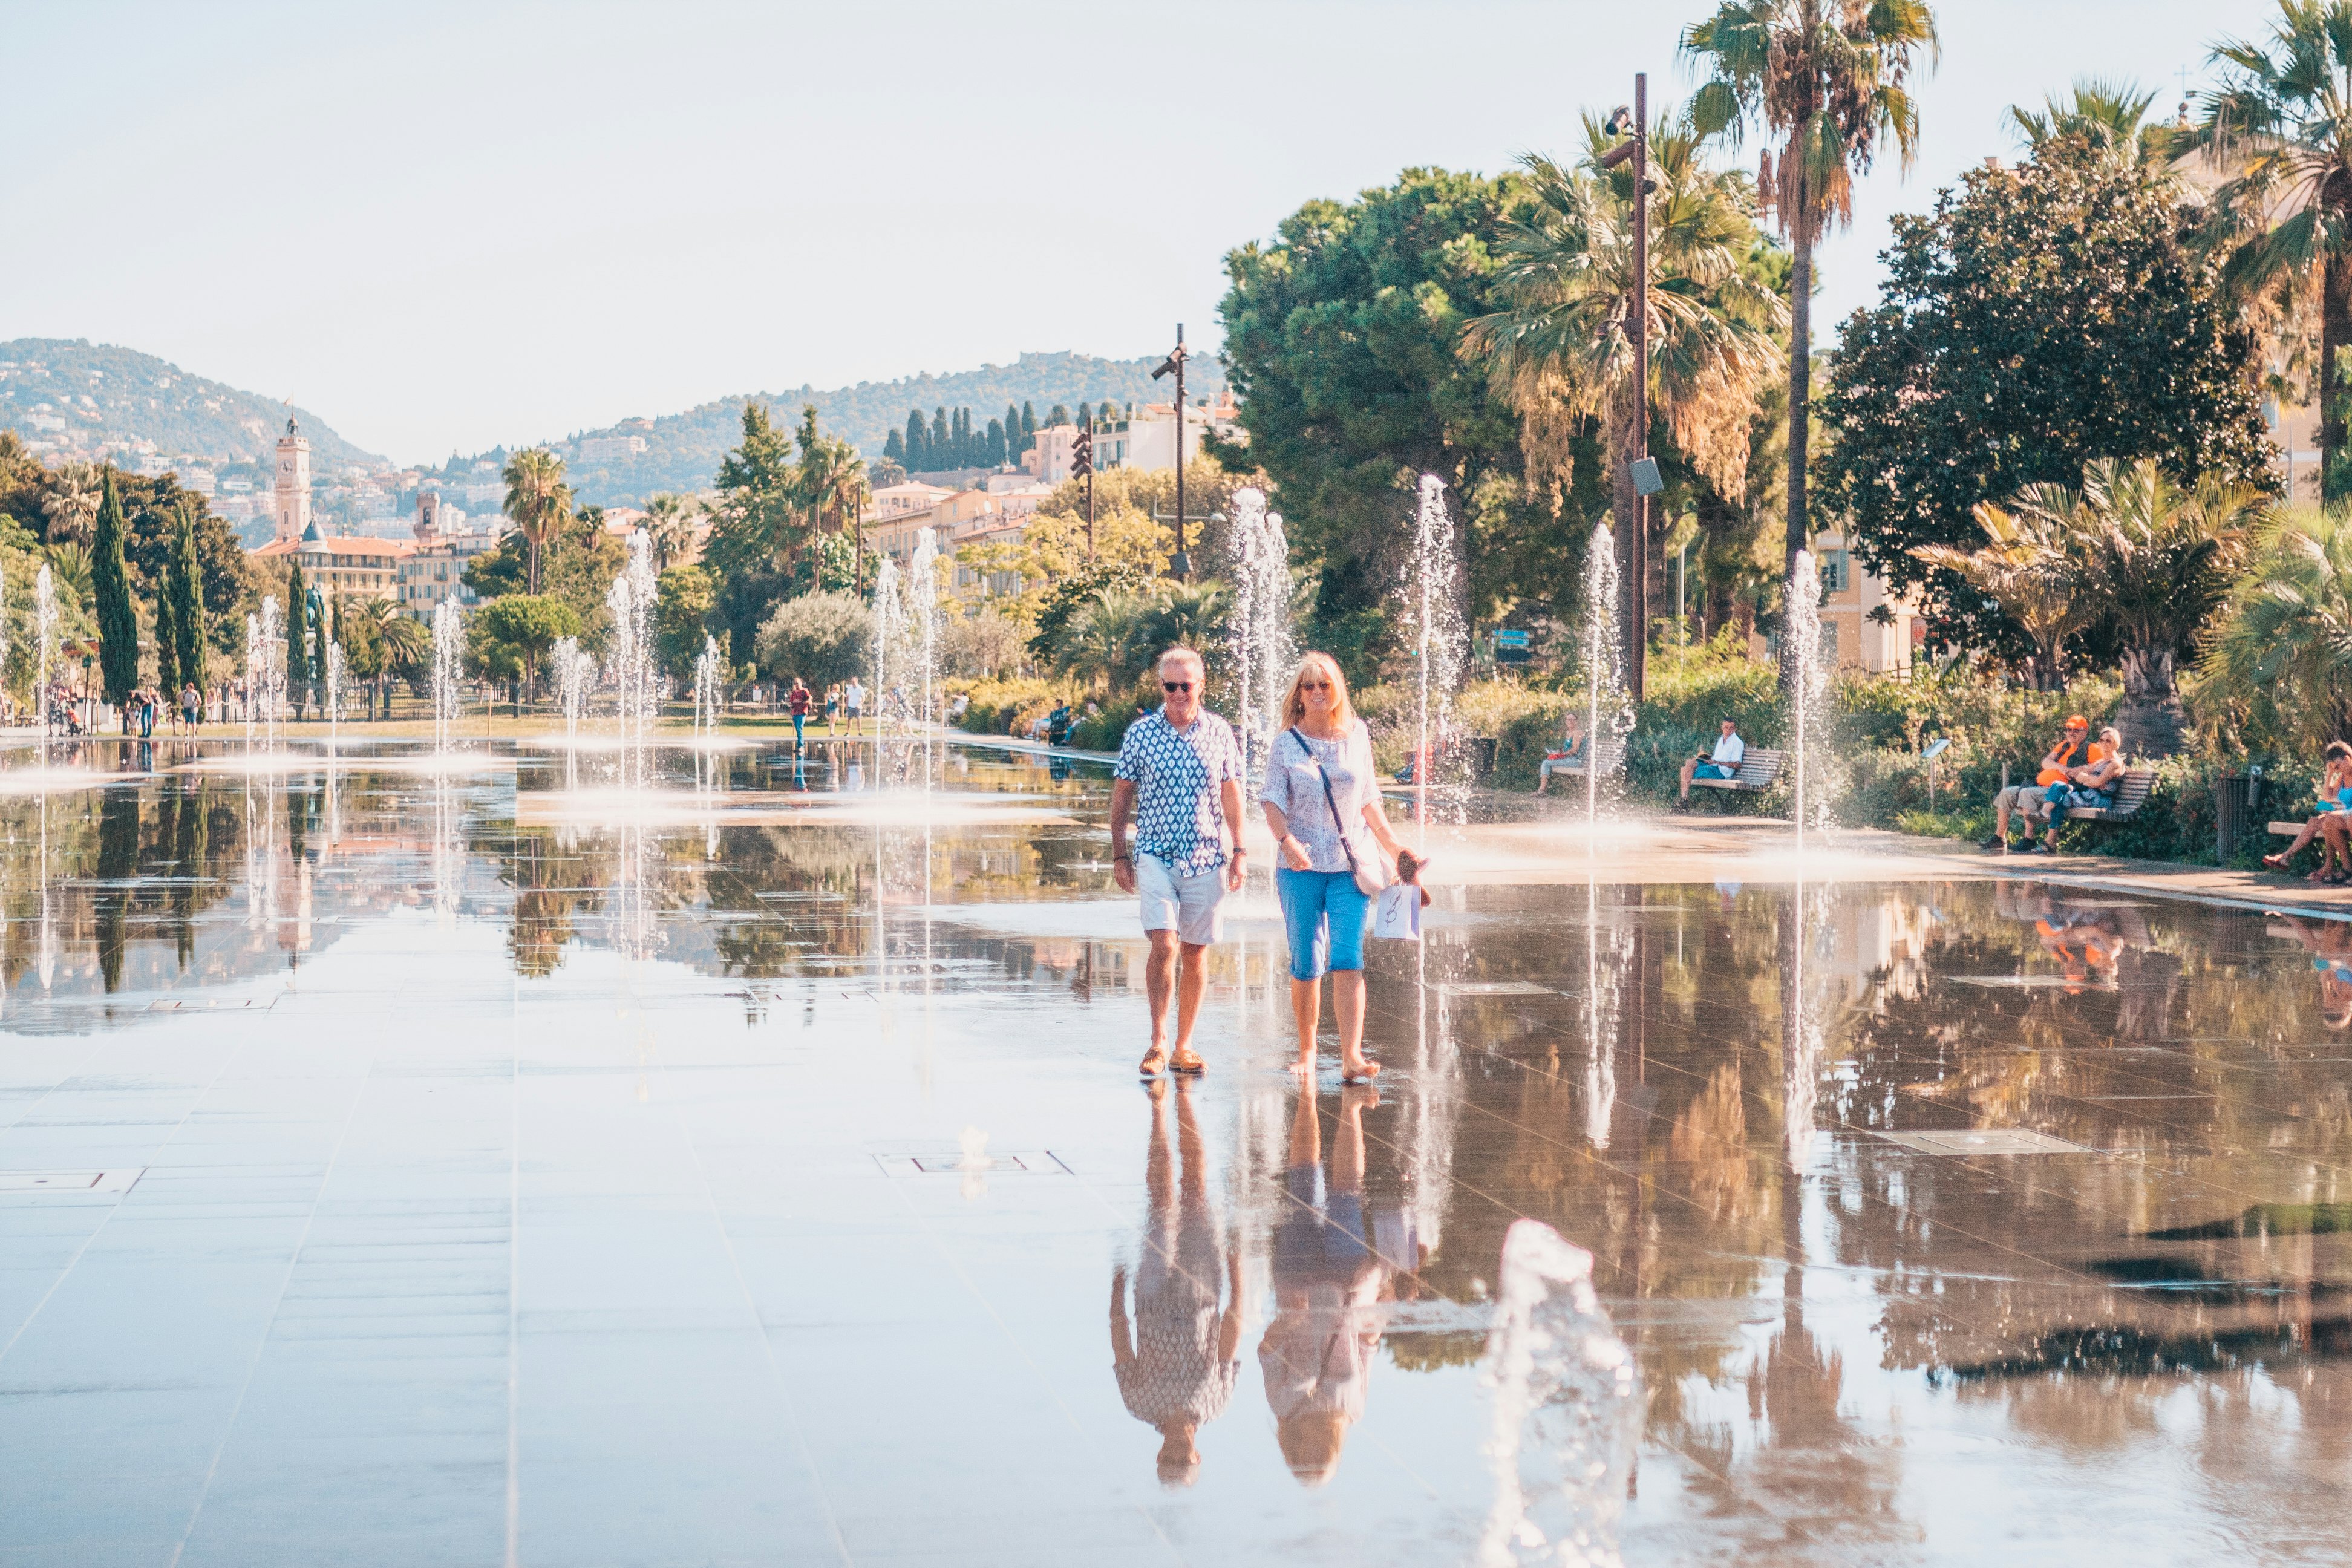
x=122, y=863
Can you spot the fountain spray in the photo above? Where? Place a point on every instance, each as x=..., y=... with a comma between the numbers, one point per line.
x=1260, y=625
x=1604, y=667
x=1809, y=687
x=45, y=642
x=1432, y=611
x=448, y=649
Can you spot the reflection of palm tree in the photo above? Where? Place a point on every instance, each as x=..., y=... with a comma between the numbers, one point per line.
x=1177, y=1367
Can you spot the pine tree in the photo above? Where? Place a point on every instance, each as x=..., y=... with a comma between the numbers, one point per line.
x=918, y=443
x=185, y=579
x=894, y=451
x=110, y=580
x=298, y=632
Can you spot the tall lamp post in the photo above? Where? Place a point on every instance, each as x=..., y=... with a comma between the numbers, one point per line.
x=1180, y=567
x=1644, y=467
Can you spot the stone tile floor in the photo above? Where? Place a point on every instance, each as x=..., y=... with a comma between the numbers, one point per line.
x=511, y=1188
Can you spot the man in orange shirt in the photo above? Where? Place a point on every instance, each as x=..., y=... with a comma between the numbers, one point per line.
x=2031, y=800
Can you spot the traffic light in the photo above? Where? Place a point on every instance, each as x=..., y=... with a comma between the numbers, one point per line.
x=1082, y=455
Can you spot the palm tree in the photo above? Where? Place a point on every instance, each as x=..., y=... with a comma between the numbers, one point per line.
x=1189, y=614
x=1560, y=348
x=1109, y=641
x=2028, y=567
x=669, y=519
x=77, y=591
x=2282, y=125
x=2158, y=561
x=834, y=486
x=1825, y=79
x=2281, y=659
x=2109, y=119
x=538, y=499
x=394, y=642
x=71, y=505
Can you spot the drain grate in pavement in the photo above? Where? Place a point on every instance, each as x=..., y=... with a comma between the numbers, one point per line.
x=16, y=1183
x=1992, y=1140
x=1030, y=1161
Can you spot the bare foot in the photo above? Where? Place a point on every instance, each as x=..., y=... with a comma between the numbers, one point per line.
x=1304, y=1066
x=1363, y=1069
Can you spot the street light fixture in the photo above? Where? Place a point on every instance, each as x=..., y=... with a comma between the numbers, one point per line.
x=1180, y=567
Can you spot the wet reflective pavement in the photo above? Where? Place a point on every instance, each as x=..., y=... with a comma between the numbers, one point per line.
x=407, y=1164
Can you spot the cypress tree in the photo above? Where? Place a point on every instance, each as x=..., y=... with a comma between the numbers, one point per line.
x=1011, y=433
x=938, y=451
x=894, y=451
x=1086, y=416
x=297, y=630
x=185, y=579
x=993, y=446
x=918, y=440
x=118, y=618
x=167, y=640
x=1028, y=425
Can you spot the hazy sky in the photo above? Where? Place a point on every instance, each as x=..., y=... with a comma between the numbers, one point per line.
x=445, y=226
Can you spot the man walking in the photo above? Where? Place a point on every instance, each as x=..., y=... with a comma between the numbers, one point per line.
x=1178, y=776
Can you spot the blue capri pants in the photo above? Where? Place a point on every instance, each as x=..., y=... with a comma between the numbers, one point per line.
x=1324, y=914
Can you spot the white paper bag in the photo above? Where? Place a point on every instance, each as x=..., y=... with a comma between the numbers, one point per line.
x=1398, y=919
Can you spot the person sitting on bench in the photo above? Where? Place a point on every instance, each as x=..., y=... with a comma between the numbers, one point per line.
x=2087, y=788
x=1569, y=757
x=2335, y=798
x=2030, y=801
x=1724, y=764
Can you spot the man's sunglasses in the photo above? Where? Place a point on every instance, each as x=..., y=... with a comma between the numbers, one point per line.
x=1175, y=686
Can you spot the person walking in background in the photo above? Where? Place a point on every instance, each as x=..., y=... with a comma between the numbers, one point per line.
x=1723, y=763
x=1179, y=775
x=1178, y=1362
x=854, y=699
x=800, y=706
x=1322, y=799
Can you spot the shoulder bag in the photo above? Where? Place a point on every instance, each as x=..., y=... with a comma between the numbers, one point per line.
x=1370, y=873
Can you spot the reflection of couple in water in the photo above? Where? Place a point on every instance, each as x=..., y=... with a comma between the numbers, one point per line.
x=2329, y=942
x=1332, y=1277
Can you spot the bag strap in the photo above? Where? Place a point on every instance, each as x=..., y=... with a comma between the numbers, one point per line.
x=1338, y=827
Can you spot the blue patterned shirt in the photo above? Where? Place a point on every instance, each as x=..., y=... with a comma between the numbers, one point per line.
x=1178, y=776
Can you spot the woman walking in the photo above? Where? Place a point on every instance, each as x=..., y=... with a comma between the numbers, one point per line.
x=1322, y=799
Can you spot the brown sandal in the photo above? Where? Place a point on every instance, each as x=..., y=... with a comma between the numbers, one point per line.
x=1154, y=1062
x=1190, y=1062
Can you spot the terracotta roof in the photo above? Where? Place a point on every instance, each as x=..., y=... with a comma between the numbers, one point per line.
x=345, y=544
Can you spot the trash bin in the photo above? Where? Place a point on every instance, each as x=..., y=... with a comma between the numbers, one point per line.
x=2234, y=799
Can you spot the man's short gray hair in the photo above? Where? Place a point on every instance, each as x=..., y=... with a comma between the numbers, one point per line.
x=1180, y=652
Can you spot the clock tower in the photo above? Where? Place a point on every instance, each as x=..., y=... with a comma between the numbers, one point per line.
x=293, y=484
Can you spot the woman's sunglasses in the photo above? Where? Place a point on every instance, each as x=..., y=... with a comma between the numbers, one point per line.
x=1314, y=686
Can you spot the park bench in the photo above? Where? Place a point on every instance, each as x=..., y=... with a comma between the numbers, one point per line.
x=2131, y=793
x=1759, y=770
x=1609, y=754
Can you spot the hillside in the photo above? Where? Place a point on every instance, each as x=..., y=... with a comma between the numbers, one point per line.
x=80, y=398
x=682, y=450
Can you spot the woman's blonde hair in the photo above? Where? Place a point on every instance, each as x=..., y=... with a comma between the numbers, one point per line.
x=1294, y=705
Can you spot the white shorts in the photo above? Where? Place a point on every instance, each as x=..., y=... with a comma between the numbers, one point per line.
x=1191, y=906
